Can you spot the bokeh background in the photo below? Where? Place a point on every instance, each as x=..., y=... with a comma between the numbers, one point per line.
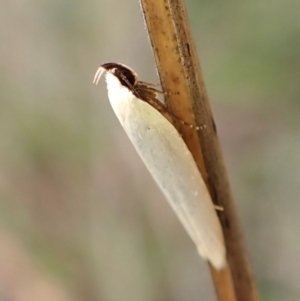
x=80, y=217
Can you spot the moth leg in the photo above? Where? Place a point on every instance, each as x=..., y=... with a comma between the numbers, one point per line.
x=148, y=94
x=150, y=86
x=164, y=92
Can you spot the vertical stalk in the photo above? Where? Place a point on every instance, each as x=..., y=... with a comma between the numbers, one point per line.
x=179, y=69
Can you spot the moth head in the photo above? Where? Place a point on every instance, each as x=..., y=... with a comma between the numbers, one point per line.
x=123, y=73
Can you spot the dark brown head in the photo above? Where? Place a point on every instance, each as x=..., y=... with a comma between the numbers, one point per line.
x=128, y=79
x=126, y=76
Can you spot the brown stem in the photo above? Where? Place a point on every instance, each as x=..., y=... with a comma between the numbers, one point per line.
x=180, y=71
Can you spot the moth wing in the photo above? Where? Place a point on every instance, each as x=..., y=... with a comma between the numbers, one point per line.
x=173, y=168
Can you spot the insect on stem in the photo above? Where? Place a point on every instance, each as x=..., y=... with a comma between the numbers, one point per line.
x=150, y=127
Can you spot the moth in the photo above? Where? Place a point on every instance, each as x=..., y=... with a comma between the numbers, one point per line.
x=149, y=127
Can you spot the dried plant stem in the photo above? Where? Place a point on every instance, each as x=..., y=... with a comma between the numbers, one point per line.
x=179, y=71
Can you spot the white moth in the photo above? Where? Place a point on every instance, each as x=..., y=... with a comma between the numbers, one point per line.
x=147, y=124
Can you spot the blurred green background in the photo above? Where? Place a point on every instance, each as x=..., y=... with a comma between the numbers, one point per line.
x=80, y=217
